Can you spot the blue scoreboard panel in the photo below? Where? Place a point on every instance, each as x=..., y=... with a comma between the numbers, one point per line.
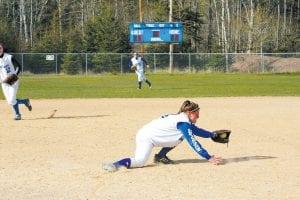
x=158, y=32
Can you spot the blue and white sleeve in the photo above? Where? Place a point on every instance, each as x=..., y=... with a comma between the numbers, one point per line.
x=17, y=66
x=145, y=61
x=130, y=63
x=201, y=132
x=187, y=131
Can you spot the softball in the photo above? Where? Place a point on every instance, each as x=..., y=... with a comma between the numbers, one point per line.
x=223, y=135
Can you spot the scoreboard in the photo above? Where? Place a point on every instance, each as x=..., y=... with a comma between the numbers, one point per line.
x=158, y=32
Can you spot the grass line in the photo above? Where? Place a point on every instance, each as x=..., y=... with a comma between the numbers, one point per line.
x=164, y=86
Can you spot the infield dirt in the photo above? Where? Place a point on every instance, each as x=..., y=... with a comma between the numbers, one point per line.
x=58, y=154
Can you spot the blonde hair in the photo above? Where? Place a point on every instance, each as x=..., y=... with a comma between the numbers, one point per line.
x=188, y=106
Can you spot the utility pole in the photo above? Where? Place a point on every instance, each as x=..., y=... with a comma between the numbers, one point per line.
x=141, y=20
x=171, y=45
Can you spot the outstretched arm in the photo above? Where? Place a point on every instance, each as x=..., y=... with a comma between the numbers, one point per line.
x=144, y=60
x=130, y=63
x=187, y=131
x=201, y=132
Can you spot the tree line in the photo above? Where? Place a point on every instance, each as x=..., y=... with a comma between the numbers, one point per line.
x=99, y=26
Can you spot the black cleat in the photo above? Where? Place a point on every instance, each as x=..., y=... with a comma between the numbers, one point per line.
x=18, y=117
x=28, y=105
x=164, y=160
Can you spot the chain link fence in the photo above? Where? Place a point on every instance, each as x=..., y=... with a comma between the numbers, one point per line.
x=97, y=63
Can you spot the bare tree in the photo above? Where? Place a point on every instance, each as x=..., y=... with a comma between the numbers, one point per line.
x=228, y=35
x=40, y=9
x=278, y=24
x=284, y=17
x=60, y=9
x=31, y=24
x=238, y=23
x=250, y=15
x=298, y=13
x=83, y=6
x=217, y=22
x=231, y=24
x=23, y=22
x=210, y=28
x=224, y=33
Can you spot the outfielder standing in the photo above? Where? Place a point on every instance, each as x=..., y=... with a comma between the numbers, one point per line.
x=137, y=63
x=9, y=69
x=167, y=132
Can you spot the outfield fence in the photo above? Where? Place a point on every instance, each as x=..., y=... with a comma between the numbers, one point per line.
x=97, y=63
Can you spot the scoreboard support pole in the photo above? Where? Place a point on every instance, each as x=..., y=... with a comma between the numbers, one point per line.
x=141, y=20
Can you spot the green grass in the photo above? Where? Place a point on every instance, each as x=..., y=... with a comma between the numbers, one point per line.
x=164, y=86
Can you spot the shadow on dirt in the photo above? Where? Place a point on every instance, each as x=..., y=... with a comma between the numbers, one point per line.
x=68, y=117
x=226, y=160
x=53, y=113
x=247, y=158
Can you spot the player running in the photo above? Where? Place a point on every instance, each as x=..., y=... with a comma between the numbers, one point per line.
x=10, y=67
x=167, y=132
x=139, y=61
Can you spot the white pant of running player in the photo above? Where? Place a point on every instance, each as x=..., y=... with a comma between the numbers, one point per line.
x=141, y=75
x=144, y=148
x=10, y=92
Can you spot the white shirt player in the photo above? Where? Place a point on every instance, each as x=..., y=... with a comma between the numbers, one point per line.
x=167, y=131
x=139, y=61
x=6, y=66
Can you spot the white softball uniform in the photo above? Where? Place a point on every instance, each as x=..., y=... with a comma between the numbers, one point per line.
x=140, y=67
x=161, y=132
x=7, y=68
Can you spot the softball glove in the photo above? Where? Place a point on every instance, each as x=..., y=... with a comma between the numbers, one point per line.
x=10, y=79
x=221, y=136
x=133, y=67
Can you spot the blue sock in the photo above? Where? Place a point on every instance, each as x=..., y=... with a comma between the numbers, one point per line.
x=126, y=162
x=16, y=108
x=22, y=101
x=163, y=152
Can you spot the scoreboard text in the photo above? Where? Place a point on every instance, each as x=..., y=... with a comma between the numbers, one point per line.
x=158, y=32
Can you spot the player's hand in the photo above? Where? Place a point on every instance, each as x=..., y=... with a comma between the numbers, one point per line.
x=216, y=160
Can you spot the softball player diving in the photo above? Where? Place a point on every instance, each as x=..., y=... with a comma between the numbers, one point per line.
x=8, y=67
x=139, y=61
x=167, y=132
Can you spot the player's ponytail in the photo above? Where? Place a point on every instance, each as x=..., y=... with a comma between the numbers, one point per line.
x=188, y=106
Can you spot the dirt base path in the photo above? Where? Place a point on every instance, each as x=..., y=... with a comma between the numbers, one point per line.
x=56, y=151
